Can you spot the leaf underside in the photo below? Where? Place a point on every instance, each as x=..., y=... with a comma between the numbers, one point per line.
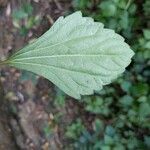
x=77, y=54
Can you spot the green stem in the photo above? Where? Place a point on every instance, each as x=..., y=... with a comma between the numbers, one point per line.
x=3, y=62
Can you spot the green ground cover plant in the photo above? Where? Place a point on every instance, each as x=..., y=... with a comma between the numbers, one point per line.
x=124, y=121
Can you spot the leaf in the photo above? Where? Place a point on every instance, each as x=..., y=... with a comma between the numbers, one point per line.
x=146, y=34
x=77, y=54
x=147, y=140
x=144, y=110
x=108, y=8
x=126, y=100
x=147, y=45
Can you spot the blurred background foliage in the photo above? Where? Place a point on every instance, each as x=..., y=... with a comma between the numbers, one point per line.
x=122, y=110
x=120, y=113
x=24, y=19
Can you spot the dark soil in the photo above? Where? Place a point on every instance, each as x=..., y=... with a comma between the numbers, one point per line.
x=31, y=104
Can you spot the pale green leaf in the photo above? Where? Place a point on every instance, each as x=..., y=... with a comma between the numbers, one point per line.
x=146, y=33
x=77, y=54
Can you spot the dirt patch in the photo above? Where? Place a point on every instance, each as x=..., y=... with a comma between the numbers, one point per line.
x=30, y=103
